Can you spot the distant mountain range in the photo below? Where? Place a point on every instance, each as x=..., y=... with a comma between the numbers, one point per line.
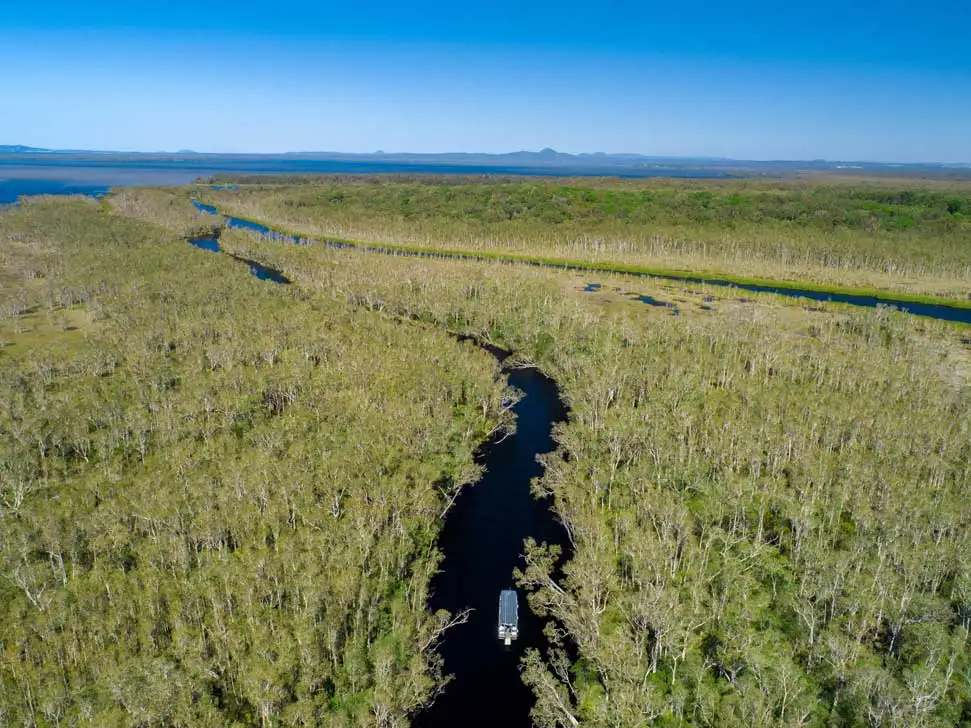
x=544, y=156
x=545, y=160
x=20, y=149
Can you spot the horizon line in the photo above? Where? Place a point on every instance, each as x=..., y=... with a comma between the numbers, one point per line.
x=29, y=150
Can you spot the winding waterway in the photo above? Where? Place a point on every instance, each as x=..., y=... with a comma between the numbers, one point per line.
x=942, y=312
x=482, y=544
x=264, y=273
x=482, y=538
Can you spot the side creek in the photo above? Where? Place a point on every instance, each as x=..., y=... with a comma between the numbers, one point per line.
x=482, y=538
x=942, y=312
x=482, y=543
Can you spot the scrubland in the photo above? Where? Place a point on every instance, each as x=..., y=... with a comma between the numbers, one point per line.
x=236, y=486
x=874, y=236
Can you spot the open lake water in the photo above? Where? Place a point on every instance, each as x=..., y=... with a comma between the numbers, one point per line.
x=39, y=174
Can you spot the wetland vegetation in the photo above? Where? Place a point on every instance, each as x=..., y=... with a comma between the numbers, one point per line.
x=880, y=235
x=221, y=497
x=768, y=504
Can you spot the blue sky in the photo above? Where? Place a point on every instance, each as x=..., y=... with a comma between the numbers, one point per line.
x=755, y=79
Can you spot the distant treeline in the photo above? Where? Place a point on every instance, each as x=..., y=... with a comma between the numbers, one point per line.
x=903, y=237
x=381, y=178
x=488, y=199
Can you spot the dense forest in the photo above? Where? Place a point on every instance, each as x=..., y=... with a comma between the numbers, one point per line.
x=219, y=498
x=769, y=506
x=903, y=238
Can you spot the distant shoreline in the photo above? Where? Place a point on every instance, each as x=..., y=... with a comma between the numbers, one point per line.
x=181, y=168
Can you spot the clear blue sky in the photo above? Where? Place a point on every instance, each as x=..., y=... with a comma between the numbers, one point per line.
x=758, y=79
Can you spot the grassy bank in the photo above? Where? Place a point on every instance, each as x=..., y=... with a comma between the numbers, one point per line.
x=690, y=276
x=907, y=241
x=160, y=207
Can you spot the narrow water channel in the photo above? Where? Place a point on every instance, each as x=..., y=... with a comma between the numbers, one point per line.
x=482, y=541
x=931, y=310
x=482, y=544
x=264, y=273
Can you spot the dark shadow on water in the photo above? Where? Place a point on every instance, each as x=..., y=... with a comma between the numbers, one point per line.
x=263, y=272
x=482, y=542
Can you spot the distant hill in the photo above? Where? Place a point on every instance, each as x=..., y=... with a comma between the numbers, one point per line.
x=544, y=162
x=21, y=149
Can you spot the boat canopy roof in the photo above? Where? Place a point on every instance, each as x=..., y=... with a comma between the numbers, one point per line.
x=508, y=607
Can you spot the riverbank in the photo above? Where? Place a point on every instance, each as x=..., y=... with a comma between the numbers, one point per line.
x=848, y=238
x=239, y=487
x=932, y=306
x=758, y=528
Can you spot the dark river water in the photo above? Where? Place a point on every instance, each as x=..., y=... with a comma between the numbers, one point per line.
x=264, y=273
x=937, y=311
x=482, y=543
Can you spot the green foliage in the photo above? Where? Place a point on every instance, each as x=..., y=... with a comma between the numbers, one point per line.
x=816, y=207
x=162, y=208
x=908, y=239
x=237, y=487
x=218, y=506
x=770, y=520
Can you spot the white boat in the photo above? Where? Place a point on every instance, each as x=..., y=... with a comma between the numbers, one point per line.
x=508, y=616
